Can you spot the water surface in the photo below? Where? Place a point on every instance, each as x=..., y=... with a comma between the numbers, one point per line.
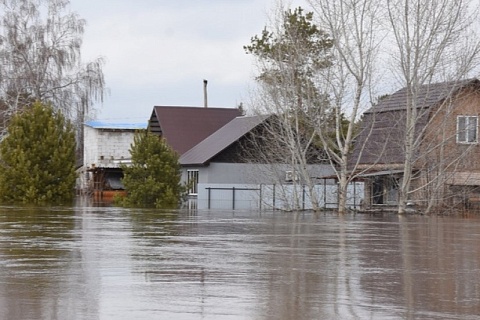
x=110, y=263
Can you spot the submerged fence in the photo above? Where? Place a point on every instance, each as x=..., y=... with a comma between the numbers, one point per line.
x=272, y=197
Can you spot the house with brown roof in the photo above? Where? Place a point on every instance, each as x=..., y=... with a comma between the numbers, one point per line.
x=221, y=158
x=446, y=162
x=185, y=127
x=216, y=156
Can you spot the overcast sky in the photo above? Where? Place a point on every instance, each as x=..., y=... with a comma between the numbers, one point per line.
x=158, y=52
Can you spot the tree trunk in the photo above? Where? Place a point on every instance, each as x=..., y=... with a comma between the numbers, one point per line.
x=342, y=192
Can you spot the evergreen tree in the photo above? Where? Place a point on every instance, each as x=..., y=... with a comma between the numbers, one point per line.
x=38, y=158
x=153, y=178
x=291, y=56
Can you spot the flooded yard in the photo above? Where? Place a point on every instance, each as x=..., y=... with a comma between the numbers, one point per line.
x=111, y=263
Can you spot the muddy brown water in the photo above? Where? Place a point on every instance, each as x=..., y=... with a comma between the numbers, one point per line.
x=110, y=263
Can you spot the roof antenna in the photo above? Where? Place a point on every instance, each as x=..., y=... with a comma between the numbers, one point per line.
x=205, y=100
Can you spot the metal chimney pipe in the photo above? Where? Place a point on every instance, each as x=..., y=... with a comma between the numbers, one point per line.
x=205, y=99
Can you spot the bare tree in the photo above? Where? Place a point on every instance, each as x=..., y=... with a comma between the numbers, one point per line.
x=423, y=42
x=40, y=42
x=354, y=27
x=289, y=57
x=287, y=156
x=432, y=40
x=328, y=102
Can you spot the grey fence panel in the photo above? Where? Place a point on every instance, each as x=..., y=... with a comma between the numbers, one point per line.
x=272, y=197
x=223, y=196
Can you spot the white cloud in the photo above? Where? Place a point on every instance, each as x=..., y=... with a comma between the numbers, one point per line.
x=164, y=49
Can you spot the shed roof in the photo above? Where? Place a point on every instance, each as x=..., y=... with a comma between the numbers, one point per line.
x=221, y=139
x=117, y=126
x=184, y=127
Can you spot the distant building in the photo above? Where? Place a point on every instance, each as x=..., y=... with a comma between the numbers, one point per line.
x=216, y=165
x=106, y=147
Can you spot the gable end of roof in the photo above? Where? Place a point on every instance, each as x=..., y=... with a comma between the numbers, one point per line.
x=203, y=152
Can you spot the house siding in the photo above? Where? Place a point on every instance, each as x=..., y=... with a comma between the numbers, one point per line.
x=445, y=162
x=440, y=137
x=441, y=164
x=218, y=183
x=247, y=173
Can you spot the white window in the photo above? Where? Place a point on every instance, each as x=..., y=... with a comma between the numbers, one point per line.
x=467, y=129
x=192, y=182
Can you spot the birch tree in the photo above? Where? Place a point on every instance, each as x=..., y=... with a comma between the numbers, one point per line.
x=354, y=27
x=40, y=42
x=432, y=40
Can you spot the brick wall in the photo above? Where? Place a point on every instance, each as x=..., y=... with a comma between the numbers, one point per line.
x=106, y=147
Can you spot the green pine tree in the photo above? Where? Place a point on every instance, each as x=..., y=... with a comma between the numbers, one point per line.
x=38, y=158
x=292, y=56
x=153, y=178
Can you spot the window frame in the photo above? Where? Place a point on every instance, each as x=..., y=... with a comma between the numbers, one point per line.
x=466, y=131
x=192, y=181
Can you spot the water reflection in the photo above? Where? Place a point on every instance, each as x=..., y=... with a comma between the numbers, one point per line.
x=435, y=271
x=35, y=247
x=107, y=263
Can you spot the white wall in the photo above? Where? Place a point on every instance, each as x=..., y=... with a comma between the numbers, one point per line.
x=113, y=145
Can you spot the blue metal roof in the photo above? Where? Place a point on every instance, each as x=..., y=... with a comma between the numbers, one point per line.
x=115, y=125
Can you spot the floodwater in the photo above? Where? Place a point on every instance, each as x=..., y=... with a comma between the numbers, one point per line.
x=110, y=263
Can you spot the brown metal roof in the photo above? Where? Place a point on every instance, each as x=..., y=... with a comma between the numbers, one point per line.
x=184, y=127
x=220, y=140
x=381, y=139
